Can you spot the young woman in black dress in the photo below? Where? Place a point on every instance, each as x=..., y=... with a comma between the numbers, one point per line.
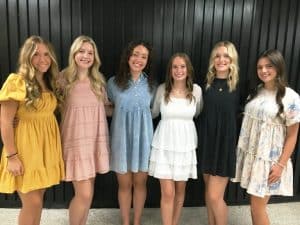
x=217, y=128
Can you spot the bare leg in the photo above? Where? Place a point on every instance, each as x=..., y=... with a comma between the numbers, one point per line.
x=179, y=200
x=210, y=215
x=215, y=190
x=139, y=195
x=81, y=202
x=32, y=205
x=167, y=188
x=259, y=210
x=125, y=196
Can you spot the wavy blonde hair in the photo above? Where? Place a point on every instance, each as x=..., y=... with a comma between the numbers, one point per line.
x=233, y=76
x=70, y=73
x=27, y=70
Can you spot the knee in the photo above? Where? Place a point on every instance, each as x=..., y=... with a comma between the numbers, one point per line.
x=35, y=202
x=140, y=184
x=85, y=196
x=213, y=198
x=168, y=195
x=125, y=186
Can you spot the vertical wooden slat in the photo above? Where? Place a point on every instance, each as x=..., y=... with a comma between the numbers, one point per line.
x=23, y=21
x=13, y=33
x=44, y=19
x=34, y=18
x=4, y=42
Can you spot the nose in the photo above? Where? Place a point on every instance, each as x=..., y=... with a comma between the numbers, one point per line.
x=263, y=69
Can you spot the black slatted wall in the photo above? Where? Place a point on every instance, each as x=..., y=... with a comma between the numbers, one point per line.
x=191, y=26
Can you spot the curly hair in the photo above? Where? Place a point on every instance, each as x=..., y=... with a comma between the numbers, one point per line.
x=190, y=75
x=70, y=72
x=276, y=59
x=123, y=75
x=27, y=70
x=233, y=76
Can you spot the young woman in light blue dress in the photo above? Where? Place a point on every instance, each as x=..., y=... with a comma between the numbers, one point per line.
x=131, y=92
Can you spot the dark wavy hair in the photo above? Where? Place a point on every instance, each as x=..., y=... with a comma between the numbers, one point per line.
x=189, y=79
x=276, y=59
x=123, y=75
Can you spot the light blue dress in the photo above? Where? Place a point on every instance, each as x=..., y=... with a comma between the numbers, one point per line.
x=131, y=127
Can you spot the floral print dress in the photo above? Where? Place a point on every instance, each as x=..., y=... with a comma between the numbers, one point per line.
x=261, y=142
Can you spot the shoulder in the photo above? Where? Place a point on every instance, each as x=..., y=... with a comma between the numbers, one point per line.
x=111, y=81
x=13, y=88
x=289, y=92
x=161, y=87
x=290, y=96
x=197, y=91
x=160, y=91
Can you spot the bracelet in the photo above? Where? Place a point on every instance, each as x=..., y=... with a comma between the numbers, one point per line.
x=11, y=155
x=280, y=164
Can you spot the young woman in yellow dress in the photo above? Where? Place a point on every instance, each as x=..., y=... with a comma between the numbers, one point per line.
x=31, y=158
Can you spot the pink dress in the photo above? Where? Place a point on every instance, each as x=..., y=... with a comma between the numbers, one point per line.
x=84, y=131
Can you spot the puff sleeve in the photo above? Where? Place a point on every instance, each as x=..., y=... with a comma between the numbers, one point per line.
x=197, y=93
x=13, y=88
x=157, y=100
x=291, y=103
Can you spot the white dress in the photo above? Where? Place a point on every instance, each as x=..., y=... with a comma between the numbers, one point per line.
x=261, y=143
x=173, y=153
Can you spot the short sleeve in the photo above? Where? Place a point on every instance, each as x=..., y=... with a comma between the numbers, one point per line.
x=197, y=93
x=13, y=88
x=291, y=107
x=157, y=100
x=110, y=89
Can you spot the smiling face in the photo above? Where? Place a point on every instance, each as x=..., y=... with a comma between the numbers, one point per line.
x=41, y=59
x=138, y=60
x=84, y=57
x=266, y=72
x=222, y=61
x=179, y=69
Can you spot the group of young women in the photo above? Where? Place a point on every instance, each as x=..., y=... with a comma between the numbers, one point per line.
x=37, y=155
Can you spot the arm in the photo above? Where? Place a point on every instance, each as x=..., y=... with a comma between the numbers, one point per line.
x=8, y=113
x=288, y=148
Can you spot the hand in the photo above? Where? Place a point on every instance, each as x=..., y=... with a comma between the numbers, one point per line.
x=275, y=173
x=15, y=166
x=109, y=108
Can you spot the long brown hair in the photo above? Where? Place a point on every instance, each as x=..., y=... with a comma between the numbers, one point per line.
x=123, y=76
x=276, y=59
x=190, y=75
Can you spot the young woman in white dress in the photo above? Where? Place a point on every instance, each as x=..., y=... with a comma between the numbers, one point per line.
x=268, y=137
x=173, y=154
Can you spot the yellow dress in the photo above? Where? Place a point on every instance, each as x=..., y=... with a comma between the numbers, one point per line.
x=37, y=141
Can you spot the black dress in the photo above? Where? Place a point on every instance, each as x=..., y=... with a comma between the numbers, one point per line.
x=217, y=130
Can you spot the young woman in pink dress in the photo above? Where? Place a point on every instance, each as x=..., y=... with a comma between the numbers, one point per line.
x=84, y=128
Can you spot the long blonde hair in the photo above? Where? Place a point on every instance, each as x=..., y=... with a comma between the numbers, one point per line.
x=70, y=73
x=233, y=76
x=27, y=70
